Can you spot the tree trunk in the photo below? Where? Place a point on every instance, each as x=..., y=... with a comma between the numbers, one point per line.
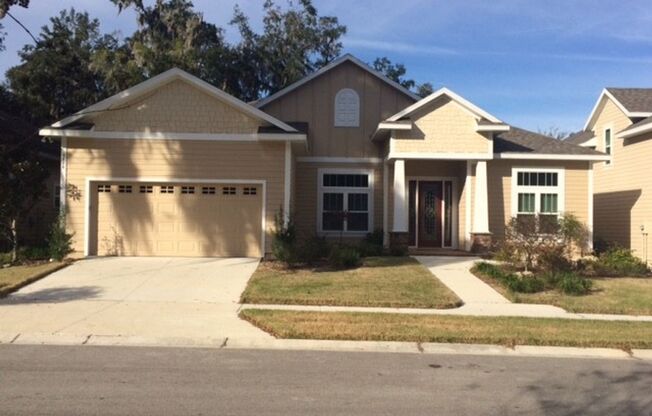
x=14, y=241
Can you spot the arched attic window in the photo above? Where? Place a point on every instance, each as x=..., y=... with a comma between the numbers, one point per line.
x=347, y=108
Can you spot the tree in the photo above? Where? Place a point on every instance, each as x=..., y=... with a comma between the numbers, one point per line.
x=170, y=34
x=22, y=177
x=4, y=10
x=294, y=43
x=396, y=72
x=55, y=77
x=554, y=132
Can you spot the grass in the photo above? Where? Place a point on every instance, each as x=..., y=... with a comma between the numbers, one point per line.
x=508, y=331
x=15, y=277
x=619, y=295
x=380, y=281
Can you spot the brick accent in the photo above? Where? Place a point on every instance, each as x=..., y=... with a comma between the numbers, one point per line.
x=481, y=242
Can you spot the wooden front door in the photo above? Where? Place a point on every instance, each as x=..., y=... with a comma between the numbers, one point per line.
x=430, y=214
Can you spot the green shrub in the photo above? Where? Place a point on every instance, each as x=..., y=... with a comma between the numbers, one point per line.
x=59, y=240
x=372, y=244
x=573, y=284
x=284, y=239
x=313, y=250
x=5, y=258
x=344, y=257
x=35, y=253
x=553, y=259
x=618, y=261
x=513, y=282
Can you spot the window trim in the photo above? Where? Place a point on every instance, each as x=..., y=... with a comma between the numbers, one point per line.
x=610, y=129
x=560, y=189
x=370, y=190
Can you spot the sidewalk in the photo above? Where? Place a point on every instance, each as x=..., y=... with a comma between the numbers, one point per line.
x=479, y=298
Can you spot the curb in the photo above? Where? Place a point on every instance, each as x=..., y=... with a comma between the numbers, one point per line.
x=11, y=289
x=524, y=351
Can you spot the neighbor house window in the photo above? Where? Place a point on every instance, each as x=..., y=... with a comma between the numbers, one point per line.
x=538, y=192
x=345, y=201
x=607, y=144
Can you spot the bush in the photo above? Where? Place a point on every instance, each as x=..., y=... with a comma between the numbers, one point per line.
x=344, y=257
x=59, y=240
x=618, y=261
x=513, y=282
x=313, y=250
x=372, y=244
x=573, y=284
x=552, y=259
x=284, y=240
x=35, y=253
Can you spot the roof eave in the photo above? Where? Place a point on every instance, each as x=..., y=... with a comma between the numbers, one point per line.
x=549, y=156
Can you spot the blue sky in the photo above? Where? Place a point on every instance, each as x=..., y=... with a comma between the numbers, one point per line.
x=534, y=64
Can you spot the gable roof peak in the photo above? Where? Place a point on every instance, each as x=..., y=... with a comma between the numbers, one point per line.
x=347, y=57
x=633, y=102
x=164, y=78
x=453, y=96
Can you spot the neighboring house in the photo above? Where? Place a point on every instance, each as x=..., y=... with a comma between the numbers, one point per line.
x=175, y=166
x=33, y=228
x=621, y=126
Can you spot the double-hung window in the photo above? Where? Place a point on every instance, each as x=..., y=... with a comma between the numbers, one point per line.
x=345, y=201
x=538, y=192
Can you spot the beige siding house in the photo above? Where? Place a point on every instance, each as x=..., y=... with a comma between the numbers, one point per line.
x=176, y=167
x=621, y=126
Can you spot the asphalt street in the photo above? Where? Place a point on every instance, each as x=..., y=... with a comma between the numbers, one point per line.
x=91, y=380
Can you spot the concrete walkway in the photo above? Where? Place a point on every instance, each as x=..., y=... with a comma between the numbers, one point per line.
x=479, y=298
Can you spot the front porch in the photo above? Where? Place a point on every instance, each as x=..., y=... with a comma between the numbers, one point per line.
x=439, y=204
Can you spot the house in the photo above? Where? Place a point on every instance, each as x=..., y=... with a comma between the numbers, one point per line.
x=620, y=125
x=174, y=166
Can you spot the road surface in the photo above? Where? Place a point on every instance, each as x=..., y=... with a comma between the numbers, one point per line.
x=87, y=380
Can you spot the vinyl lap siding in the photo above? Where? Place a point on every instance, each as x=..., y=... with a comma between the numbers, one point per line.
x=622, y=189
x=171, y=159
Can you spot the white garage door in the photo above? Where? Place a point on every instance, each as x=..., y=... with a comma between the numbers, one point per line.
x=161, y=219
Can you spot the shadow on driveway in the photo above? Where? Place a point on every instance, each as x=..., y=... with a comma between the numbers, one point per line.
x=54, y=295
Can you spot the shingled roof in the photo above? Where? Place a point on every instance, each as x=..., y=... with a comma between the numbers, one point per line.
x=579, y=137
x=518, y=140
x=633, y=99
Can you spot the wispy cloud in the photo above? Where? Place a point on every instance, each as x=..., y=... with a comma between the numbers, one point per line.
x=398, y=47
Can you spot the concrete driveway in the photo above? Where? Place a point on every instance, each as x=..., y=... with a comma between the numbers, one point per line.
x=133, y=300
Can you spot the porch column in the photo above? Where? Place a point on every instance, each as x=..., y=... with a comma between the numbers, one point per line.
x=398, y=238
x=480, y=236
x=400, y=206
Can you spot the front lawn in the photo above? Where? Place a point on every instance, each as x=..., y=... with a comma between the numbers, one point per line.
x=620, y=295
x=508, y=331
x=380, y=281
x=15, y=277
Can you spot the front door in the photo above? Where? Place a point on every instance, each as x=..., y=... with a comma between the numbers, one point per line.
x=430, y=214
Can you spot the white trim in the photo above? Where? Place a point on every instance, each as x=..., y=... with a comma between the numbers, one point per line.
x=385, y=204
x=454, y=203
x=287, y=183
x=90, y=179
x=560, y=189
x=399, y=188
x=320, y=198
x=441, y=92
x=606, y=94
x=467, y=202
x=481, y=199
x=328, y=159
x=158, y=135
x=342, y=59
x=589, y=221
x=489, y=128
x=644, y=128
x=388, y=125
x=543, y=156
x=609, y=127
x=439, y=156
x=592, y=142
x=162, y=79
x=63, y=177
